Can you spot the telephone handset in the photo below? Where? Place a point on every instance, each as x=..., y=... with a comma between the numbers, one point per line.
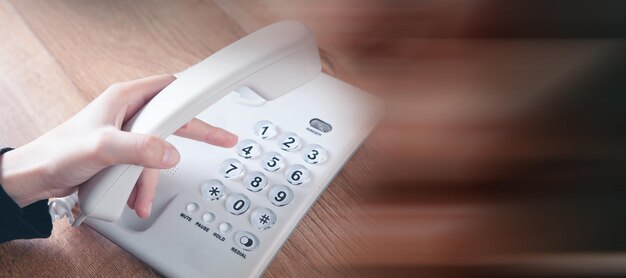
x=262, y=61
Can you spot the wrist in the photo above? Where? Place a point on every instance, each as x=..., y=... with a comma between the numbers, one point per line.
x=22, y=177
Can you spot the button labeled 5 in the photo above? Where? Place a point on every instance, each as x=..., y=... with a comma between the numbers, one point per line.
x=272, y=162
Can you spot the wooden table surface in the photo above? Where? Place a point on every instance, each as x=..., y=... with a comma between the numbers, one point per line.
x=453, y=177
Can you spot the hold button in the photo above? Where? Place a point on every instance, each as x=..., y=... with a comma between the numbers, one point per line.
x=246, y=241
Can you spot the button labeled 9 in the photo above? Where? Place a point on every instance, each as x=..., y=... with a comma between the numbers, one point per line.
x=281, y=195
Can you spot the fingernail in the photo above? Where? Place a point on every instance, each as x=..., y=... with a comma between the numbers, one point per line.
x=169, y=156
x=149, y=208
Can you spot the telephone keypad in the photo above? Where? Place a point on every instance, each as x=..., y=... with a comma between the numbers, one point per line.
x=255, y=181
x=231, y=168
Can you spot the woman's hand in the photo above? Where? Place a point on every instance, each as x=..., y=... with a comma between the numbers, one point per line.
x=55, y=164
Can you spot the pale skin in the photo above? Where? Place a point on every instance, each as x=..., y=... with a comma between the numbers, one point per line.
x=54, y=164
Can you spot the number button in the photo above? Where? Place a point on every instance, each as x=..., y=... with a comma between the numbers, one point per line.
x=212, y=190
x=255, y=181
x=272, y=162
x=297, y=174
x=281, y=195
x=248, y=148
x=289, y=141
x=314, y=154
x=263, y=218
x=231, y=168
x=265, y=129
x=237, y=204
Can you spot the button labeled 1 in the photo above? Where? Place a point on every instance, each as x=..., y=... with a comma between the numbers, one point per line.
x=265, y=129
x=314, y=154
x=248, y=148
x=289, y=141
x=237, y=204
x=297, y=174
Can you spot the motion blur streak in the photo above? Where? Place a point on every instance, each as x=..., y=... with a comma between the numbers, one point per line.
x=504, y=148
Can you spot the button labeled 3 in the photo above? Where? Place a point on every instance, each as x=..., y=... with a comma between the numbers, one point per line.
x=314, y=154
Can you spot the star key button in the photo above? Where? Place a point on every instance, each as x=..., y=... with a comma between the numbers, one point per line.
x=212, y=190
x=263, y=218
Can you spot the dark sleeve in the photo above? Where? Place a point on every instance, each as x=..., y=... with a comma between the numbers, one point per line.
x=32, y=221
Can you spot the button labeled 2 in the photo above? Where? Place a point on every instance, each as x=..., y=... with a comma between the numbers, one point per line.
x=289, y=141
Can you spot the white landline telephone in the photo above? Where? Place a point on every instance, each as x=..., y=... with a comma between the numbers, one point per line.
x=226, y=212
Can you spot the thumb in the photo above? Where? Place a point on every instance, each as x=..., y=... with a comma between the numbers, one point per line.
x=139, y=149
